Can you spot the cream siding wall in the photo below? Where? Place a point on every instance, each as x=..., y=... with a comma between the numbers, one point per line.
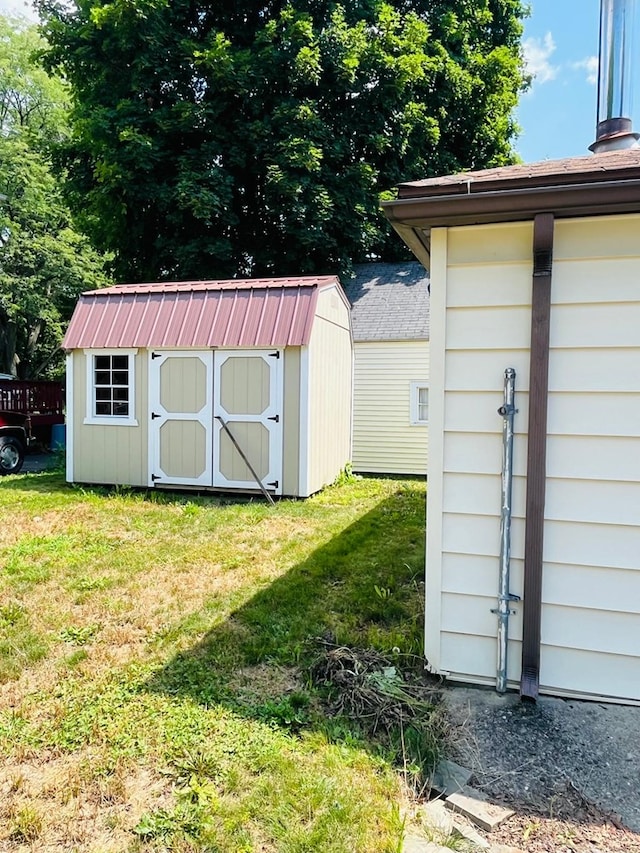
x=291, y=423
x=384, y=440
x=480, y=304
x=110, y=454
x=591, y=591
x=330, y=365
x=480, y=325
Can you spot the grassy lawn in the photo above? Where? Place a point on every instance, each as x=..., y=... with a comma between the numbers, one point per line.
x=155, y=653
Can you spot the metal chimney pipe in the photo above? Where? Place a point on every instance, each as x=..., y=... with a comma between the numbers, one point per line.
x=617, y=36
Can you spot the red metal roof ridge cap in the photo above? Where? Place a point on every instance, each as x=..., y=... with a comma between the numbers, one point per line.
x=215, y=285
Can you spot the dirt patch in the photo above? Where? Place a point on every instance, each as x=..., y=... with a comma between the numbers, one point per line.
x=265, y=681
x=570, y=769
x=584, y=832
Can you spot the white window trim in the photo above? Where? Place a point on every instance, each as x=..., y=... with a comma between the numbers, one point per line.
x=110, y=420
x=415, y=387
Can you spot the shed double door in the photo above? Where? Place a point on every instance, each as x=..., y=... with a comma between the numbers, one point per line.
x=192, y=395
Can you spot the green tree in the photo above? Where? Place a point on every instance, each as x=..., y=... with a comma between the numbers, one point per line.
x=30, y=99
x=229, y=139
x=44, y=262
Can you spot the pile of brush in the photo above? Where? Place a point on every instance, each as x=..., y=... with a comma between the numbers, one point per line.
x=367, y=686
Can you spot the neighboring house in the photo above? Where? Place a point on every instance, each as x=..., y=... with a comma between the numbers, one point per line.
x=534, y=267
x=390, y=319
x=155, y=371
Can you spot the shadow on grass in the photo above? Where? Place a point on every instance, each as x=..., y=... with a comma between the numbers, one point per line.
x=362, y=588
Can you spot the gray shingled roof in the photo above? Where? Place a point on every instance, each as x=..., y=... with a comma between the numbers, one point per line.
x=390, y=302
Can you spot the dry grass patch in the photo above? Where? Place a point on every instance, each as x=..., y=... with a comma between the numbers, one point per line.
x=80, y=800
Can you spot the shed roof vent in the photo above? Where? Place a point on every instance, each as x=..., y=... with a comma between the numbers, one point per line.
x=617, y=50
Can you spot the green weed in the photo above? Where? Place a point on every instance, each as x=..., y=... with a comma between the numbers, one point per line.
x=20, y=645
x=26, y=825
x=288, y=712
x=79, y=635
x=12, y=613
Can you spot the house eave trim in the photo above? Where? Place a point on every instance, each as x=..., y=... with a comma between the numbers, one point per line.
x=509, y=205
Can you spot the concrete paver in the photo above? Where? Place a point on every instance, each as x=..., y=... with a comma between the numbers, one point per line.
x=415, y=844
x=475, y=805
x=449, y=777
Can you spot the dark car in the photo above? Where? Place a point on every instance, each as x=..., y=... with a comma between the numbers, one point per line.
x=15, y=434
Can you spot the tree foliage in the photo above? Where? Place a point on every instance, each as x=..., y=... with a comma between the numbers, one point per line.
x=228, y=139
x=44, y=262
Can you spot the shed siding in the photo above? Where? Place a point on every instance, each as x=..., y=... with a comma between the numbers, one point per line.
x=384, y=441
x=110, y=454
x=330, y=378
x=291, y=423
x=481, y=288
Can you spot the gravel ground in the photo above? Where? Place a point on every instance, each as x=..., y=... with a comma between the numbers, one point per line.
x=34, y=463
x=571, y=769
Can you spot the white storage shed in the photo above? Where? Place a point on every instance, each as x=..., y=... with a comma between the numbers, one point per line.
x=227, y=385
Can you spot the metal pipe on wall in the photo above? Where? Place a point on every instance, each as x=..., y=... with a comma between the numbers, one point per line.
x=503, y=611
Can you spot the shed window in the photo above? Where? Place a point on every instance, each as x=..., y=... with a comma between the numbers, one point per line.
x=111, y=384
x=110, y=387
x=419, y=403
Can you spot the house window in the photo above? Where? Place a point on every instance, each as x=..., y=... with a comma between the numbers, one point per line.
x=110, y=387
x=419, y=403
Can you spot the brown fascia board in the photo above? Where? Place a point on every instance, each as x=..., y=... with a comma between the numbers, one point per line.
x=479, y=206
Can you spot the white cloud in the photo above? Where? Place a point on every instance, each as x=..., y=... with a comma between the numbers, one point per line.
x=537, y=56
x=590, y=65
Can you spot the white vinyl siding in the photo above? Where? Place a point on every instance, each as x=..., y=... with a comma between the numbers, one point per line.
x=480, y=300
x=480, y=322
x=591, y=594
x=384, y=439
x=330, y=374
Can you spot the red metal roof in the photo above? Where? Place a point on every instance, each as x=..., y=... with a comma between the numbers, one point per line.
x=230, y=313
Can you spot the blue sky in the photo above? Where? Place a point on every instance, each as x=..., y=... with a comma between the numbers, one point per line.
x=558, y=114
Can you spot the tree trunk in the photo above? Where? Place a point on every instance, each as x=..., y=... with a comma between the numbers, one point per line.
x=33, y=336
x=8, y=340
